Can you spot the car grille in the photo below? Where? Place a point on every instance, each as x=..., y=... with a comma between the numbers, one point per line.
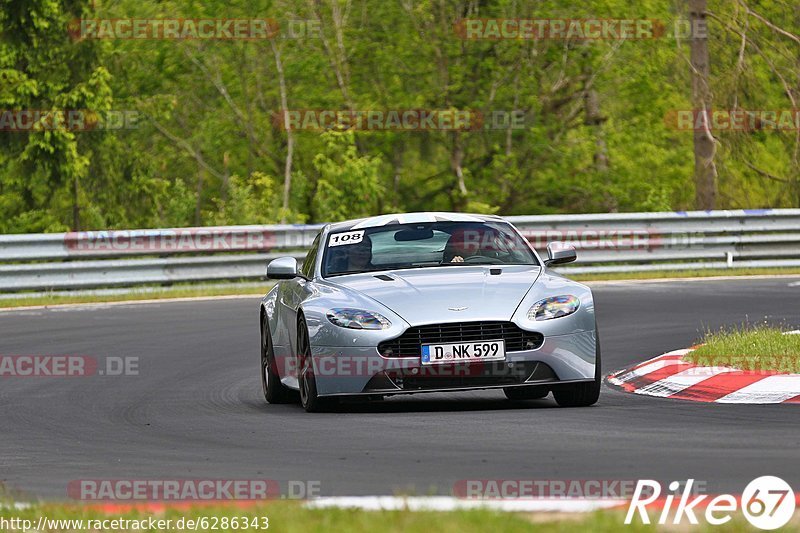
x=409, y=343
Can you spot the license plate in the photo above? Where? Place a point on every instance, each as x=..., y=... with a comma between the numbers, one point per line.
x=460, y=352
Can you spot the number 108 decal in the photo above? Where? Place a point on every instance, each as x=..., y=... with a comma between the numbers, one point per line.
x=348, y=237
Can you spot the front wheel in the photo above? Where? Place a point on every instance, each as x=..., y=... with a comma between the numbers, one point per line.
x=274, y=391
x=309, y=399
x=582, y=394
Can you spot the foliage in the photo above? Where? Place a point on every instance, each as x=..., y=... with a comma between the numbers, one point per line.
x=348, y=185
x=208, y=150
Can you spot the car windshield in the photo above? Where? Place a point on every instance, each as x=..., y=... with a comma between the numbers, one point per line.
x=420, y=245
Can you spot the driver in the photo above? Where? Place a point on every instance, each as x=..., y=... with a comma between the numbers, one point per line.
x=359, y=256
x=463, y=243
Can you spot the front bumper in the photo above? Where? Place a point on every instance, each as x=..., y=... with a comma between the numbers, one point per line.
x=362, y=370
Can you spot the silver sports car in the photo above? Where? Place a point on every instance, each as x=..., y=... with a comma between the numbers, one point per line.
x=426, y=302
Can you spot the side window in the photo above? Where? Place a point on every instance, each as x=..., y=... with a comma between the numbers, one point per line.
x=308, y=264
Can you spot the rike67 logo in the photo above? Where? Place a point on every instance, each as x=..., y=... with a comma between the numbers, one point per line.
x=767, y=502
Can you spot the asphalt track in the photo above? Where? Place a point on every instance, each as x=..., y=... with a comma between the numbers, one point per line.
x=195, y=409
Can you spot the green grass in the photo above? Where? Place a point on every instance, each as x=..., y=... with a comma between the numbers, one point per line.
x=697, y=273
x=754, y=348
x=285, y=516
x=183, y=291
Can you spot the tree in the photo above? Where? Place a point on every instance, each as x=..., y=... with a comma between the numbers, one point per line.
x=349, y=184
x=705, y=171
x=43, y=69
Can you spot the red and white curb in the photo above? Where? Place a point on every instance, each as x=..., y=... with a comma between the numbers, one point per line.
x=670, y=376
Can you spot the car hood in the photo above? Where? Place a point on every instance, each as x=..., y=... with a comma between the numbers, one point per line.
x=447, y=294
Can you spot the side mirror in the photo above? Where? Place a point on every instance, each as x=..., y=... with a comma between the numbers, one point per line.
x=559, y=253
x=282, y=268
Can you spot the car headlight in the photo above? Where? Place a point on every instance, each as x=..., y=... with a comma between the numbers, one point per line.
x=358, y=319
x=553, y=307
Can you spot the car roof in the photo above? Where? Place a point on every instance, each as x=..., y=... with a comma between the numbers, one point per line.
x=410, y=218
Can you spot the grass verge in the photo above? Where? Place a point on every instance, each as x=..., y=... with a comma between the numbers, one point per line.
x=142, y=293
x=753, y=348
x=698, y=273
x=291, y=517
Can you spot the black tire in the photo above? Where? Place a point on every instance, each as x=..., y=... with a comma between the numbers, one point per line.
x=309, y=398
x=582, y=394
x=274, y=391
x=532, y=392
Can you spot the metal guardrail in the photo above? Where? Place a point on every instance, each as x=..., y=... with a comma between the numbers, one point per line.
x=620, y=242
